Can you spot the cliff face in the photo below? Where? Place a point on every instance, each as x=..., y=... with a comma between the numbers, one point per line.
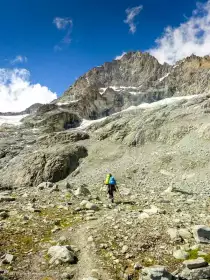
x=190, y=76
x=134, y=79
x=135, y=69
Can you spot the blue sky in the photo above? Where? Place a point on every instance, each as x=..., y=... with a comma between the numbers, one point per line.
x=96, y=32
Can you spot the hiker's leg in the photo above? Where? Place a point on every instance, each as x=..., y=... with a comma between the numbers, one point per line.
x=112, y=194
x=109, y=191
x=111, y=197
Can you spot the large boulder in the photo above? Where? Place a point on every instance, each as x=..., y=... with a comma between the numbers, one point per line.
x=62, y=137
x=155, y=273
x=5, y=198
x=180, y=255
x=173, y=233
x=51, y=118
x=62, y=254
x=82, y=191
x=201, y=234
x=185, y=233
x=89, y=205
x=197, y=263
x=45, y=185
x=195, y=274
x=44, y=165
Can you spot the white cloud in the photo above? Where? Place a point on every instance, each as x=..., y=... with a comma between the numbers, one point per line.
x=17, y=93
x=131, y=14
x=191, y=37
x=65, y=24
x=120, y=56
x=19, y=59
x=62, y=23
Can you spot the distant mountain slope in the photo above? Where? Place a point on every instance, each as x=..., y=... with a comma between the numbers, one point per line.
x=134, y=79
x=135, y=69
x=115, y=86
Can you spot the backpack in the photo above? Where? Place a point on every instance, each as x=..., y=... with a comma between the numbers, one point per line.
x=107, y=179
x=112, y=181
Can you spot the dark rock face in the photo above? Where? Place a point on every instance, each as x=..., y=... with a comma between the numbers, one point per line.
x=134, y=69
x=46, y=108
x=202, y=234
x=61, y=138
x=125, y=82
x=52, y=120
x=43, y=165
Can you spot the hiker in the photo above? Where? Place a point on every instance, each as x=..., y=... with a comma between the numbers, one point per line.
x=110, y=182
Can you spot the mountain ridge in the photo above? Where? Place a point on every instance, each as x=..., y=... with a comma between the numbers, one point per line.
x=135, y=78
x=115, y=86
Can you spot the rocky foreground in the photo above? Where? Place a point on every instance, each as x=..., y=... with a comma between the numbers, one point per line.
x=56, y=222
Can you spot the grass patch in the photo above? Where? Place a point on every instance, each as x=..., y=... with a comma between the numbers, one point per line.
x=207, y=258
x=68, y=195
x=193, y=254
x=20, y=238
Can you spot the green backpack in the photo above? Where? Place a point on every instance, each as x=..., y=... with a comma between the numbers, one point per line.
x=107, y=179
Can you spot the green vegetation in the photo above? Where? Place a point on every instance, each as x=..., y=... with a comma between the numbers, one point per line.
x=68, y=195
x=193, y=254
x=23, y=238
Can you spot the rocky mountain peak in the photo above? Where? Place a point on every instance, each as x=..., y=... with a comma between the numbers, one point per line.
x=133, y=69
x=135, y=78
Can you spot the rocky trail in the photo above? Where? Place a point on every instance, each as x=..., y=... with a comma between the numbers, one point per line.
x=89, y=264
x=108, y=241
x=56, y=232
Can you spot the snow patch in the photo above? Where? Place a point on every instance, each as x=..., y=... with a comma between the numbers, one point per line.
x=167, y=101
x=175, y=66
x=86, y=123
x=122, y=87
x=135, y=92
x=119, y=57
x=12, y=120
x=67, y=103
x=161, y=79
x=119, y=88
x=102, y=90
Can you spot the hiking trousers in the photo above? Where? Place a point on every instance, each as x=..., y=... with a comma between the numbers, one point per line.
x=111, y=189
